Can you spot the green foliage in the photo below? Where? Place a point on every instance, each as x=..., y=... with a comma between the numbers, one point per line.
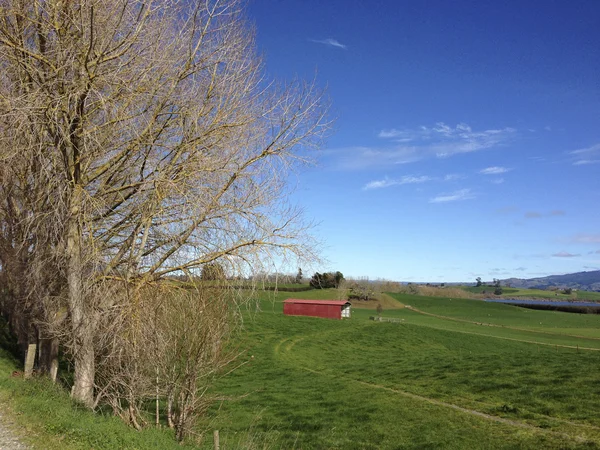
x=478, y=281
x=567, y=291
x=326, y=280
x=298, y=279
x=498, y=290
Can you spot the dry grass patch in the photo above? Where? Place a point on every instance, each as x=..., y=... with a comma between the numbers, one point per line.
x=386, y=302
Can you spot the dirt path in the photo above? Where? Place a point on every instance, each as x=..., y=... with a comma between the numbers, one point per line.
x=8, y=439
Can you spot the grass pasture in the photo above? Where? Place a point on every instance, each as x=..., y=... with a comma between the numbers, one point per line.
x=440, y=379
x=535, y=293
x=453, y=374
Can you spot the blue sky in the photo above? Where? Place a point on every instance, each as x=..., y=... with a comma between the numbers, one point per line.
x=467, y=134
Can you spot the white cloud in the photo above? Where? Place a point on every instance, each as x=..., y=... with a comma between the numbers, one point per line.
x=533, y=215
x=584, y=238
x=360, y=158
x=587, y=155
x=330, y=42
x=386, y=182
x=538, y=215
x=463, y=194
x=454, y=177
x=582, y=162
x=410, y=145
x=444, y=140
x=409, y=179
x=494, y=170
x=565, y=255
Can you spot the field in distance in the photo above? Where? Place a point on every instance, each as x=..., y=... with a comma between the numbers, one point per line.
x=452, y=374
x=509, y=292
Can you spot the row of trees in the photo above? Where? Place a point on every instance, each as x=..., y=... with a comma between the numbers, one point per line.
x=496, y=285
x=140, y=140
x=326, y=280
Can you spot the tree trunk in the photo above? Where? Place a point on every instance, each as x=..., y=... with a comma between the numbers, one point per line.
x=81, y=317
x=170, y=420
x=49, y=358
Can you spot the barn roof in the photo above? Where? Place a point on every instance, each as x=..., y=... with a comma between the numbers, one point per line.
x=317, y=302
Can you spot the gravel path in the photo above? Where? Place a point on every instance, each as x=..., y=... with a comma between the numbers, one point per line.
x=8, y=440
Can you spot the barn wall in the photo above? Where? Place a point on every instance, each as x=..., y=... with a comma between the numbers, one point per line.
x=303, y=309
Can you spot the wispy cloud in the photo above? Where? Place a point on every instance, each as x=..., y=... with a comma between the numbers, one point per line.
x=443, y=140
x=462, y=194
x=521, y=269
x=584, y=238
x=565, y=255
x=497, y=180
x=454, y=177
x=357, y=158
x=494, y=170
x=402, y=146
x=387, y=182
x=585, y=162
x=410, y=179
x=539, y=215
x=587, y=155
x=533, y=215
x=330, y=42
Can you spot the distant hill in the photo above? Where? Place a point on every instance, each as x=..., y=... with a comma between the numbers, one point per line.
x=585, y=281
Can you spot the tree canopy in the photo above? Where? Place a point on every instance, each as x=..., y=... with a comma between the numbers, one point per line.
x=326, y=280
x=137, y=139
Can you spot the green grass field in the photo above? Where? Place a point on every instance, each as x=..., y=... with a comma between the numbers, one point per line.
x=535, y=293
x=453, y=374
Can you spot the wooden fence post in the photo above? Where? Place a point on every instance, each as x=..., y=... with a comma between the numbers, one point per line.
x=29, y=360
x=216, y=439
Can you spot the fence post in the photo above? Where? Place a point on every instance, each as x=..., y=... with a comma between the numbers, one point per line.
x=216, y=439
x=29, y=360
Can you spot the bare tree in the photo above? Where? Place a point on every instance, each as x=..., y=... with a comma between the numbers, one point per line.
x=146, y=141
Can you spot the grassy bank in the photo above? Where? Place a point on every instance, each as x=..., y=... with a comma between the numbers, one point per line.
x=48, y=419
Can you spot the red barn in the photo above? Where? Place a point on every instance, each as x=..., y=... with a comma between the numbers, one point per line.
x=330, y=309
